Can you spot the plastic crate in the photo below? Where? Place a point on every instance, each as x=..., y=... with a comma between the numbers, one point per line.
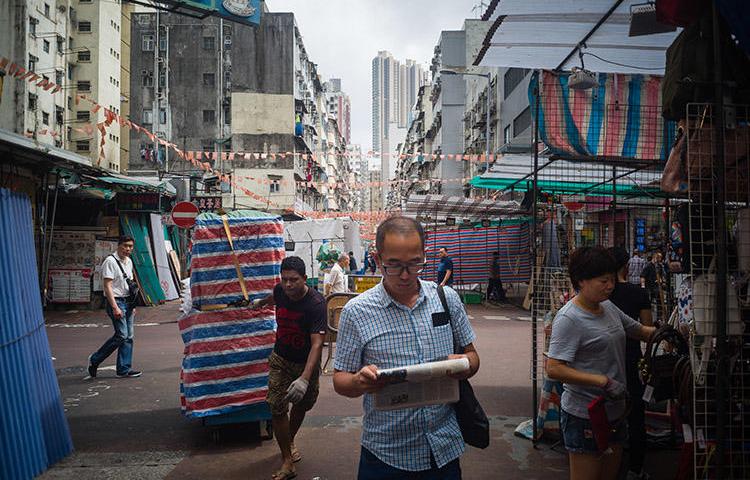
x=471, y=298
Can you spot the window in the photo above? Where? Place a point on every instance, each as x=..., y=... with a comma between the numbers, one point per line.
x=32, y=25
x=209, y=116
x=522, y=122
x=147, y=43
x=162, y=80
x=84, y=1
x=209, y=43
x=163, y=116
x=84, y=56
x=46, y=10
x=70, y=71
x=83, y=115
x=275, y=185
x=227, y=115
x=148, y=117
x=84, y=85
x=84, y=27
x=70, y=103
x=209, y=79
x=60, y=45
x=82, y=145
x=507, y=135
x=32, y=62
x=45, y=46
x=59, y=77
x=513, y=76
x=45, y=118
x=59, y=115
x=163, y=43
x=148, y=79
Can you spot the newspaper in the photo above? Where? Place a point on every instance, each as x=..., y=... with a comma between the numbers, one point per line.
x=419, y=385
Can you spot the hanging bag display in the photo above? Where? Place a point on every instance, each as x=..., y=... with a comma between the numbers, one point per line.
x=133, y=289
x=704, y=305
x=473, y=422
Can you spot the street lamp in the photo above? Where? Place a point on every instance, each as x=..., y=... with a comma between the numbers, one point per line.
x=486, y=76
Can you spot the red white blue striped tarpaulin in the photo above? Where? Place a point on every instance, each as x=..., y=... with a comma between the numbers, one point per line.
x=618, y=119
x=471, y=250
x=225, y=366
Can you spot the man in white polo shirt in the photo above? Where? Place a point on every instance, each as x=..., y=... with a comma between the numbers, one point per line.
x=337, y=278
x=120, y=308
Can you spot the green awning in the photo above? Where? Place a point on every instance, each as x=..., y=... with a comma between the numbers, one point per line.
x=124, y=181
x=568, y=188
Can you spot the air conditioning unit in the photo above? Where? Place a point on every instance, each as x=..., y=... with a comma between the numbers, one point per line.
x=581, y=79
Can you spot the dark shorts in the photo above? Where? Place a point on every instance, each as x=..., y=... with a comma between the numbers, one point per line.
x=372, y=468
x=578, y=437
x=281, y=374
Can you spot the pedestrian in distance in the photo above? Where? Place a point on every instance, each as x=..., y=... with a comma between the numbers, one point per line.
x=587, y=354
x=117, y=269
x=495, y=290
x=636, y=264
x=634, y=302
x=337, y=277
x=393, y=324
x=294, y=364
x=352, y=263
x=445, y=268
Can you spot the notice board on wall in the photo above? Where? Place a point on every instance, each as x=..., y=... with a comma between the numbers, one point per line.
x=69, y=285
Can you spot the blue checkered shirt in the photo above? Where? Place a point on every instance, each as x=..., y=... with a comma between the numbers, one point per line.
x=376, y=330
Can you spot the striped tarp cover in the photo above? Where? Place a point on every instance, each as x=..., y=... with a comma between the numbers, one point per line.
x=619, y=118
x=471, y=250
x=225, y=363
x=259, y=245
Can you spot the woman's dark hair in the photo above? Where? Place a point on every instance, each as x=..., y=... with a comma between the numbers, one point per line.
x=124, y=239
x=589, y=262
x=620, y=255
x=294, y=263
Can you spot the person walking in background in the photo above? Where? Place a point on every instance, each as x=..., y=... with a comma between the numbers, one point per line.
x=394, y=324
x=587, y=353
x=117, y=269
x=337, y=277
x=636, y=264
x=495, y=290
x=652, y=279
x=445, y=268
x=634, y=302
x=294, y=365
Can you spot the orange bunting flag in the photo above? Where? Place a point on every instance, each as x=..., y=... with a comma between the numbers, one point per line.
x=96, y=108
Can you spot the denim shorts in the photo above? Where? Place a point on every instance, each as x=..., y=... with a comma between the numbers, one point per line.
x=579, y=438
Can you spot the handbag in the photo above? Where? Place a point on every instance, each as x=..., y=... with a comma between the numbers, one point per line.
x=472, y=421
x=674, y=177
x=133, y=289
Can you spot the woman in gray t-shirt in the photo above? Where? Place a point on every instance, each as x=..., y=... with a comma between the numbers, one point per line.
x=587, y=353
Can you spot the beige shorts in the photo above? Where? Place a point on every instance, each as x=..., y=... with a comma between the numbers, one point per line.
x=282, y=373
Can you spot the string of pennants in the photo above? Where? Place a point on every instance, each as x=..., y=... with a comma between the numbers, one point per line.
x=19, y=73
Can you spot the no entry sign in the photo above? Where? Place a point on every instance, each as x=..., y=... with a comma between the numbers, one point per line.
x=184, y=213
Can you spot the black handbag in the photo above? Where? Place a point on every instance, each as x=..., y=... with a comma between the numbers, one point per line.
x=133, y=289
x=473, y=422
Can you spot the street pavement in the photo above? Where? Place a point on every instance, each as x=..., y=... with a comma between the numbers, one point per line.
x=133, y=428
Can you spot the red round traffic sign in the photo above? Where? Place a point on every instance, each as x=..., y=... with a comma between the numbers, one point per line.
x=184, y=213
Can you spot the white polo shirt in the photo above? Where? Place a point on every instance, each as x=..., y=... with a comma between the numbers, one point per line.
x=110, y=269
x=338, y=279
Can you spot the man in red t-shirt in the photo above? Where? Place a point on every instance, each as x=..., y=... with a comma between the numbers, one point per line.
x=301, y=319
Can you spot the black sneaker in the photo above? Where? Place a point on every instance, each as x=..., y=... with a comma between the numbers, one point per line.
x=92, y=369
x=130, y=374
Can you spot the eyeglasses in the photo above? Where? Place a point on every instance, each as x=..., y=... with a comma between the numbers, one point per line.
x=413, y=269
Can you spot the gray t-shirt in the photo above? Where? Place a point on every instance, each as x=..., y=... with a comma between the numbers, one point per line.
x=592, y=344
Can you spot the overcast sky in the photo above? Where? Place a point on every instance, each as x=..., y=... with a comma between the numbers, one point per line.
x=343, y=36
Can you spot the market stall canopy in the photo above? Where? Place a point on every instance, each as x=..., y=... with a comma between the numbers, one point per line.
x=145, y=183
x=596, y=29
x=439, y=207
x=583, y=178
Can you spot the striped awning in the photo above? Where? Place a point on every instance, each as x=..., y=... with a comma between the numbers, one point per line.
x=439, y=207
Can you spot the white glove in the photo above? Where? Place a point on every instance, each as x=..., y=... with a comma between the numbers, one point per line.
x=296, y=390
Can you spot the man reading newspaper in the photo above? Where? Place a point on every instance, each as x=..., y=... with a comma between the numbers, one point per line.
x=401, y=322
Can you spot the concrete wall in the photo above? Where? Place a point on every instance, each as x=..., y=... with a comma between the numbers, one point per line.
x=259, y=113
x=256, y=180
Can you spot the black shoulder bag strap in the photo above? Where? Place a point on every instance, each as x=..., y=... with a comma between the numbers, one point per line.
x=121, y=269
x=473, y=422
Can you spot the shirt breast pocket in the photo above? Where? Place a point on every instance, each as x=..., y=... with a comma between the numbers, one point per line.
x=441, y=342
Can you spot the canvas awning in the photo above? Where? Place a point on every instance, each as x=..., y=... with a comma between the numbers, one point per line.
x=598, y=29
x=438, y=207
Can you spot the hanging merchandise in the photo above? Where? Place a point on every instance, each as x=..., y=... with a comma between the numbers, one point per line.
x=327, y=255
x=704, y=305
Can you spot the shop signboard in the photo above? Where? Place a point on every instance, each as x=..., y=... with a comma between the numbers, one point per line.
x=240, y=11
x=362, y=283
x=208, y=204
x=69, y=285
x=138, y=202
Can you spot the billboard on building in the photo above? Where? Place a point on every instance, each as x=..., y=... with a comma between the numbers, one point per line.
x=241, y=11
